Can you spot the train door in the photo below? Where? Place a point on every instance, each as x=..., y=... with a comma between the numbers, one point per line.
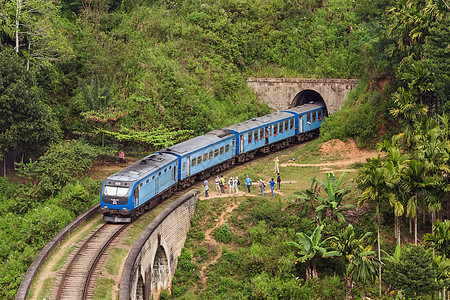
x=157, y=185
x=300, y=124
x=241, y=143
x=267, y=131
x=136, y=195
x=188, y=166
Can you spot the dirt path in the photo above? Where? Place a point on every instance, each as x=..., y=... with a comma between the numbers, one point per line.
x=210, y=242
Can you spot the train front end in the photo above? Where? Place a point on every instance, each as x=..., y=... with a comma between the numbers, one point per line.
x=116, y=203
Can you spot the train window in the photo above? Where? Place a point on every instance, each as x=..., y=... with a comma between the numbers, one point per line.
x=227, y=148
x=140, y=184
x=286, y=125
x=275, y=129
x=165, y=170
x=291, y=123
x=221, y=150
x=261, y=133
x=255, y=134
x=184, y=167
x=115, y=191
x=250, y=137
x=153, y=177
x=281, y=127
x=170, y=167
x=320, y=115
x=194, y=162
x=210, y=154
x=314, y=116
x=199, y=160
x=159, y=174
x=205, y=157
x=308, y=118
x=216, y=152
x=146, y=181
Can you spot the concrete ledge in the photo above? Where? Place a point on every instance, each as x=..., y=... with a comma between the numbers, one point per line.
x=301, y=80
x=134, y=255
x=45, y=252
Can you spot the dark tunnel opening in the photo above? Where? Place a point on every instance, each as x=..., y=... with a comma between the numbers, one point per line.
x=307, y=96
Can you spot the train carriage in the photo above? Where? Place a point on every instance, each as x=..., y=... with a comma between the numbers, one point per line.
x=198, y=156
x=128, y=192
x=308, y=118
x=259, y=133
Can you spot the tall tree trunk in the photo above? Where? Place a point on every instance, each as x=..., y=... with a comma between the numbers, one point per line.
x=379, y=246
x=397, y=222
x=415, y=229
x=395, y=225
x=433, y=220
x=18, y=12
x=348, y=287
x=410, y=225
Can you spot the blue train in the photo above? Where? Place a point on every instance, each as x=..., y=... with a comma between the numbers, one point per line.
x=146, y=183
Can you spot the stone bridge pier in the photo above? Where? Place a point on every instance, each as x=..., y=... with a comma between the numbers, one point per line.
x=151, y=263
x=284, y=93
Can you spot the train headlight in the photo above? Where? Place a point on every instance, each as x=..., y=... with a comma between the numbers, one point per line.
x=105, y=206
x=124, y=208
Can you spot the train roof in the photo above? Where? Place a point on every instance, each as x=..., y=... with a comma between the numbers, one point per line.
x=273, y=117
x=143, y=167
x=199, y=142
x=305, y=107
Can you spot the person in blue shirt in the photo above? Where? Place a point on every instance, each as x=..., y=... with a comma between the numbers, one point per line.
x=272, y=186
x=248, y=181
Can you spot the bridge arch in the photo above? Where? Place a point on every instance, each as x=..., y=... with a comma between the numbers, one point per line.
x=160, y=276
x=140, y=289
x=307, y=96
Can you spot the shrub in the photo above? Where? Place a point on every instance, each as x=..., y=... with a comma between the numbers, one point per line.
x=223, y=233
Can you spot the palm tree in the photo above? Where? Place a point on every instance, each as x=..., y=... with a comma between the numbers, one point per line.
x=335, y=192
x=395, y=169
x=415, y=184
x=359, y=259
x=376, y=189
x=440, y=240
x=309, y=196
x=441, y=266
x=310, y=248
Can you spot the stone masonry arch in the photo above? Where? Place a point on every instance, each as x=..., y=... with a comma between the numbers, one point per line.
x=283, y=93
x=151, y=263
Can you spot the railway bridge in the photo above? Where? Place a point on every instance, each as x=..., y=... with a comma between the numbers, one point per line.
x=284, y=93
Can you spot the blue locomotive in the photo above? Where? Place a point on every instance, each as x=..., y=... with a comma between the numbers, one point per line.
x=144, y=184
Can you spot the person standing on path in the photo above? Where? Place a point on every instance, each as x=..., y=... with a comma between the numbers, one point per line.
x=236, y=185
x=205, y=183
x=261, y=186
x=231, y=186
x=218, y=190
x=248, y=181
x=277, y=165
x=222, y=184
x=278, y=181
x=272, y=186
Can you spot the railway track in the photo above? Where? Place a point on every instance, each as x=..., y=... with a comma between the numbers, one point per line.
x=78, y=277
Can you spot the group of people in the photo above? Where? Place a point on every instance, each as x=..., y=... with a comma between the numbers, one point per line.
x=234, y=183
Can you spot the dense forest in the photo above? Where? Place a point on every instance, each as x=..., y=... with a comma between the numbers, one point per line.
x=82, y=80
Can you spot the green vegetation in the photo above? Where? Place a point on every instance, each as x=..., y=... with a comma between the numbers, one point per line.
x=141, y=75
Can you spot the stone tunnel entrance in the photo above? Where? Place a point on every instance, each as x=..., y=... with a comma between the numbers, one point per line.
x=307, y=96
x=160, y=273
